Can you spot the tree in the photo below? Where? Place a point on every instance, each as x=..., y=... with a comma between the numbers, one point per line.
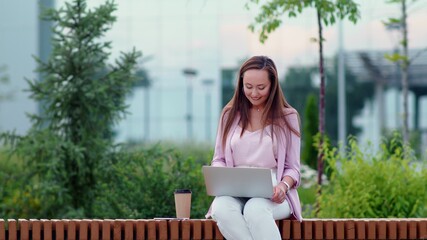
x=311, y=122
x=327, y=11
x=83, y=98
x=403, y=59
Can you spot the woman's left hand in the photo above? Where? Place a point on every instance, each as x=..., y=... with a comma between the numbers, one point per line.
x=279, y=193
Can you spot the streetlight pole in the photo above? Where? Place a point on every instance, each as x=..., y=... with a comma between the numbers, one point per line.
x=208, y=83
x=189, y=74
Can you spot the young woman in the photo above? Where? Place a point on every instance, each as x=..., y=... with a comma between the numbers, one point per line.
x=258, y=128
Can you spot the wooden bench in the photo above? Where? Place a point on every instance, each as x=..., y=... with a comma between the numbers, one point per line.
x=35, y=229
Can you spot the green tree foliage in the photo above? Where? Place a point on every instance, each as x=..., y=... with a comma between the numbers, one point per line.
x=272, y=12
x=82, y=98
x=365, y=184
x=309, y=150
x=298, y=85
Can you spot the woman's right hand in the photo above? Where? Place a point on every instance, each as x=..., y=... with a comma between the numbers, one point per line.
x=279, y=193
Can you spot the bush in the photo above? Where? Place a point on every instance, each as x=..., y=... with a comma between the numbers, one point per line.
x=140, y=184
x=11, y=193
x=363, y=185
x=132, y=183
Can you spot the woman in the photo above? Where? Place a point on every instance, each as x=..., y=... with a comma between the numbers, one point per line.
x=258, y=128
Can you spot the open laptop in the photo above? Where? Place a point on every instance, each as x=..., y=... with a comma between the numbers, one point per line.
x=238, y=181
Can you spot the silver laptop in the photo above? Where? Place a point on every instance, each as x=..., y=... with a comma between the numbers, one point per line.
x=238, y=181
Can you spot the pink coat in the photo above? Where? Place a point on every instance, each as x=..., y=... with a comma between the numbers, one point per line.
x=288, y=157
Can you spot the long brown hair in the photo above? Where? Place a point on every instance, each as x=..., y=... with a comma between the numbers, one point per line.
x=274, y=108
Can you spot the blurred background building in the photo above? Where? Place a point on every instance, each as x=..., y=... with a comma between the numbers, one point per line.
x=191, y=52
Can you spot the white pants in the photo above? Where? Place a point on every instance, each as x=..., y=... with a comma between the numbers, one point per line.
x=248, y=218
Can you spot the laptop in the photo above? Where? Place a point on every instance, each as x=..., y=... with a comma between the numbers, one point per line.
x=238, y=181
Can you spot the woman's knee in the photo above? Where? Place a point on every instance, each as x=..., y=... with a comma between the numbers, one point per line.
x=222, y=206
x=257, y=209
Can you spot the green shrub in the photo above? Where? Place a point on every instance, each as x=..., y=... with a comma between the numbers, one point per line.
x=11, y=181
x=382, y=185
x=140, y=184
x=133, y=183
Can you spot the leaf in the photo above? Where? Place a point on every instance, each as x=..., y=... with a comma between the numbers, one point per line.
x=395, y=57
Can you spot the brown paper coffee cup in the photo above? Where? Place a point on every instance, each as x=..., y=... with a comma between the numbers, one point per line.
x=182, y=203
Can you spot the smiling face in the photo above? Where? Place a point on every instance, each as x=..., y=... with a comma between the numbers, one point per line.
x=256, y=87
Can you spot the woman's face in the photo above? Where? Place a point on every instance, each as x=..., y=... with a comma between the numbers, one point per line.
x=256, y=86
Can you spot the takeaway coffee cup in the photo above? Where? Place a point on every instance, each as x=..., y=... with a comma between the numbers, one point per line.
x=182, y=203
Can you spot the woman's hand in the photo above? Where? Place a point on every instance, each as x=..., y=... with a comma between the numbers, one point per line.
x=279, y=193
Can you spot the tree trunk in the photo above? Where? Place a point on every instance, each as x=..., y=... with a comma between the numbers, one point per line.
x=321, y=102
x=405, y=64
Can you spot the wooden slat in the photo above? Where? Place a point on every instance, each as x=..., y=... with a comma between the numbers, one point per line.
x=286, y=229
x=94, y=227
x=129, y=229
x=2, y=230
x=59, y=226
x=174, y=227
x=117, y=229
x=412, y=229
x=196, y=226
x=151, y=230
x=296, y=230
x=47, y=229
x=140, y=229
x=318, y=229
x=329, y=229
x=402, y=229
x=13, y=229
x=422, y=229
x=381, y=229
x=207, y=229
x=35, y=226
x=186, y=230
x=350, y=229
x=162, y=226
x=392, y=229
x=106, y=230
x=308, y=229
x=360, y=229
x=24, y=228
x=84, y=229
x=339, y=229
x=372, y=227
x=218, y=234
x=71, y=227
